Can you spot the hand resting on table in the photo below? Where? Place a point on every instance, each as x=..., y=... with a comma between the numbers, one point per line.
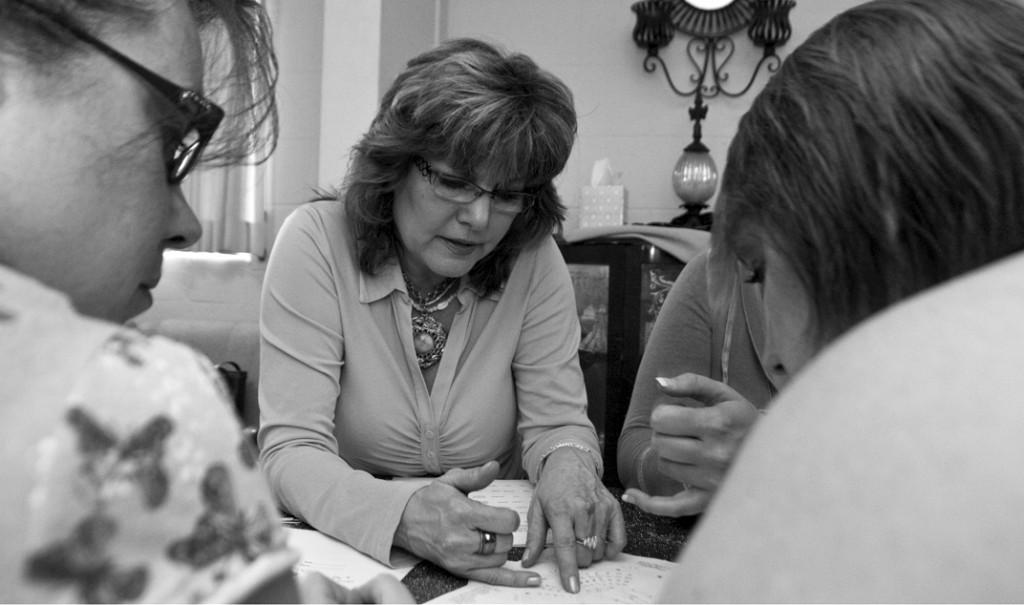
x=443, y=525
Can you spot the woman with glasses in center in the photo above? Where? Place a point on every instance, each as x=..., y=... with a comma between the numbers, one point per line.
x=422, y=323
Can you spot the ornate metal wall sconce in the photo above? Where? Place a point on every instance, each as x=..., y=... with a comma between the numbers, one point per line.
x=710, y=25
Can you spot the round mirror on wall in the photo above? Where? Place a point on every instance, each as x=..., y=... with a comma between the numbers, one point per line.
x=710, y=18
x=709, y=5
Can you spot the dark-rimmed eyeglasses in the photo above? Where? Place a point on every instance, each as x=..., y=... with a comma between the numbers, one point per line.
x=201, y=116
x=460, y=191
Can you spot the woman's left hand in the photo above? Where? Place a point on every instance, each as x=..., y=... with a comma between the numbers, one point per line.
x=584, y=517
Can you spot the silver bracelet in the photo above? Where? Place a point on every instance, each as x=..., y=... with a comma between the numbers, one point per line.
x=642, y=471
x=641, y=475
x=561, y=444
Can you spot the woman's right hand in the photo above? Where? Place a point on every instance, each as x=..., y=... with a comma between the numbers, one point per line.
x=443, y=525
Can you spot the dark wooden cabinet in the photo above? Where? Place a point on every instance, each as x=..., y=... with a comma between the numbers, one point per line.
x=620, y=284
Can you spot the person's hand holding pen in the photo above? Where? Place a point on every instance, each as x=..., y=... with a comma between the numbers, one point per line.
x=696, y=432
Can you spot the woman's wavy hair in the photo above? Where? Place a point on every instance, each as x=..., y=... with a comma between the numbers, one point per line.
x=482, y=109
x=886, y=155
x=240, y=73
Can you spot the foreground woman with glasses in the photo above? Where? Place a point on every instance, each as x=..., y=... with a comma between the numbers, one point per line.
x=126, y=476
x=426, y=326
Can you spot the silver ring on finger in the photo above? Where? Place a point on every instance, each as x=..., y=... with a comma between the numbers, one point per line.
x=488, y=542
x=590, y=542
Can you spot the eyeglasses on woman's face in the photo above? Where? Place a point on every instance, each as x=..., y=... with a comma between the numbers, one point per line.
x=457, y=190
x=200, y=116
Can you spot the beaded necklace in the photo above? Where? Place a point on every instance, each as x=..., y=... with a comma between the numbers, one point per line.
x=428, y=335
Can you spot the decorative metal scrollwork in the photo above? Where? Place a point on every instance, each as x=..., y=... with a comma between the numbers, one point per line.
x=703, y=23
x=710, y=47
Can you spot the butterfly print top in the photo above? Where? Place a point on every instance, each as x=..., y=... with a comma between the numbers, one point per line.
x=126, y=477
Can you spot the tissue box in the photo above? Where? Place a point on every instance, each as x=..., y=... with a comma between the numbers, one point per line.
x=602, y=206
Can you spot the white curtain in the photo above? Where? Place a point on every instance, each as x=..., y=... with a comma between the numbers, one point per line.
x=232, y=205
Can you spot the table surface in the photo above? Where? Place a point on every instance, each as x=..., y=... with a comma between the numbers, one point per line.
x=647, y=536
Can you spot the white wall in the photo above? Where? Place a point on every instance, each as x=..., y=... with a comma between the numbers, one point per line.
x=298, y=38
x=626, y=115
x=350, y=66
x=338, y=56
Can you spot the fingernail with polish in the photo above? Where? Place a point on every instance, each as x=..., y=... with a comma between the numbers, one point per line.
x=574, y=585
x=662, y=382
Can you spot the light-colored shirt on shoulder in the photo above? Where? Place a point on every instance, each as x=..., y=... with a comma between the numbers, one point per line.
x=889, y=468
x=711, y=324
x=126, y=476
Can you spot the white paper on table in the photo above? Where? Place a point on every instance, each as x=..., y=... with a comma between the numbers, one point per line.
x=505, y=493
x=624, y=579
x=340, y=562
x=509, y=493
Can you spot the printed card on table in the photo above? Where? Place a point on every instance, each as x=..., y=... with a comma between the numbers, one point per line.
x=624, y=579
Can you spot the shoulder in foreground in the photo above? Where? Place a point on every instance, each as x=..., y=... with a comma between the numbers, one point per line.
x=887, y=469
x=159, y=370
x=943, y=339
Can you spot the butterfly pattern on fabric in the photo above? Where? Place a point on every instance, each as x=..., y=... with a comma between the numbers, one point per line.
x=124, y=342
x=224, y=528
x=138, y=458
x=83, y=557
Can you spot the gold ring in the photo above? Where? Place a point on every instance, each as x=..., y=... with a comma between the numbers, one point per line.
x=488, y=542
